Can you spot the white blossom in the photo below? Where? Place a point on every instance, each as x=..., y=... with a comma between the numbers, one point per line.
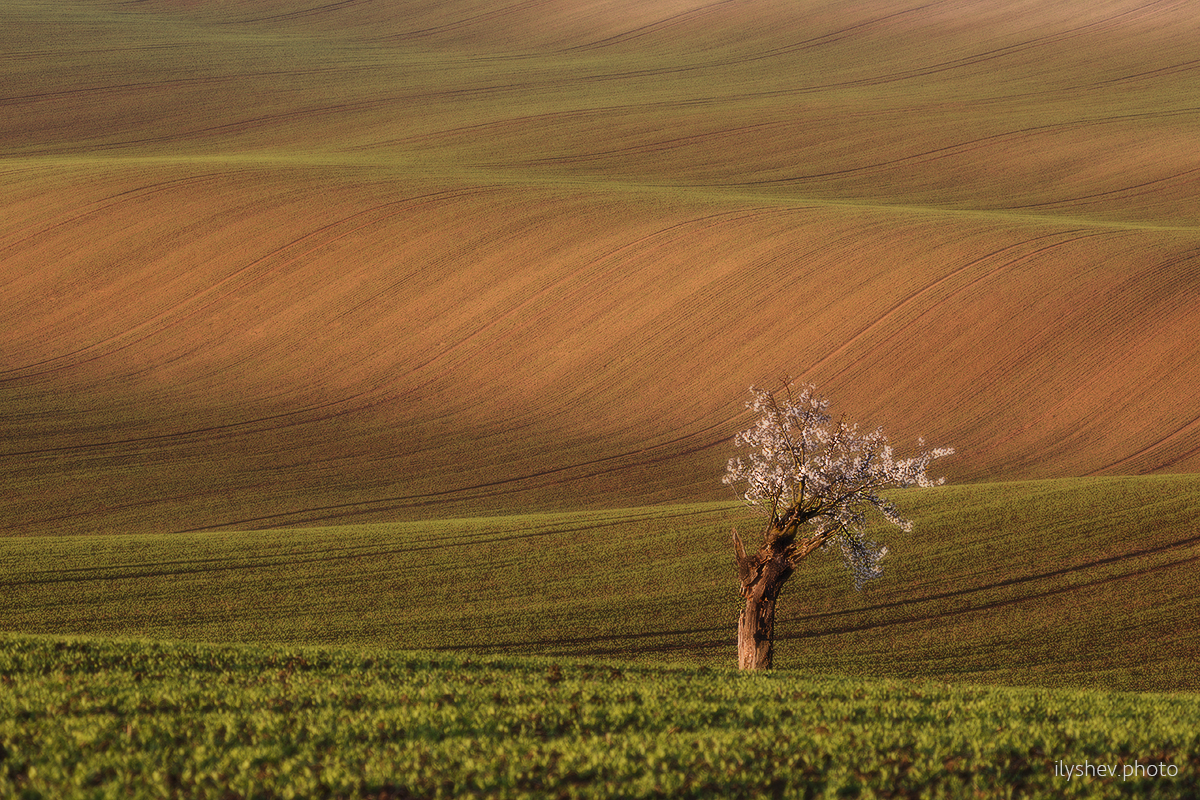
x=801, y=468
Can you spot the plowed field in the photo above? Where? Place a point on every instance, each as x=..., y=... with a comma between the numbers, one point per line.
x=268, y=263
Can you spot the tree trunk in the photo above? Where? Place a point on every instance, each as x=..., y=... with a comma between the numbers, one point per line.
x=762, y=576
x=756, y=634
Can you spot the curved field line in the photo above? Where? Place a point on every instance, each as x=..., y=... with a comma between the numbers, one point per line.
x=1082, y=388
x=154, y=86
x=990, y=55
x=928, y=69
x=976, y=281
x=657, y=146
x=959, y=148
x=194, y=566
x=649, y=28
x=20, y=237
x=842, y=33
x=993, y=605
x=486, y=16
x=251, y=123
x=304, y=12
x=182, y=306
x=1183, y=66
x=242, y=427
x=916, y=295
x=1126, y=190
x=589, y=269
x=495, y=488
x=1178, y=433
x=1026, y=579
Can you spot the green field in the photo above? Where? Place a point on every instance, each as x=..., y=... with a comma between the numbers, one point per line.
x=103, y=718
x=637, y=609
x=1087, y=582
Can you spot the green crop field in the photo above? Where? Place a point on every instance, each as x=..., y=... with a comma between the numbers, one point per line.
x=87, y=718
x=368, y=371
x=1088, y=582
x=973, y=598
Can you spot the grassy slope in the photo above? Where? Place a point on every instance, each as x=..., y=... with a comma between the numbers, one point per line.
x=1083, y=582
x=268, y=265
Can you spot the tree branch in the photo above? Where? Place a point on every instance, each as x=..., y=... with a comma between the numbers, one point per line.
x=800, y=550
x=743, y=563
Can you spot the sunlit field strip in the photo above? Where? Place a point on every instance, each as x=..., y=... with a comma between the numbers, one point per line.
x=1063, y=582
x=592, y=368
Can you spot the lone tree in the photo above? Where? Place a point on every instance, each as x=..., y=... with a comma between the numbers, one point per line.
x=815, y=482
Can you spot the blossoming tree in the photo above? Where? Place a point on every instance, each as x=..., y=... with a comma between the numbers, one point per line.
x=815, y=482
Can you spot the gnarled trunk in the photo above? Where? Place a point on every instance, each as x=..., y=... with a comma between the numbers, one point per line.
x=762, y=575
x=756, y=633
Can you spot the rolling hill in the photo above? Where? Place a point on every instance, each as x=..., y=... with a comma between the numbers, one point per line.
x=1065, y=582
x=270, y=264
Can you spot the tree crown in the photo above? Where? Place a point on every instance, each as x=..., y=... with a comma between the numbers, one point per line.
x=803, y=469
